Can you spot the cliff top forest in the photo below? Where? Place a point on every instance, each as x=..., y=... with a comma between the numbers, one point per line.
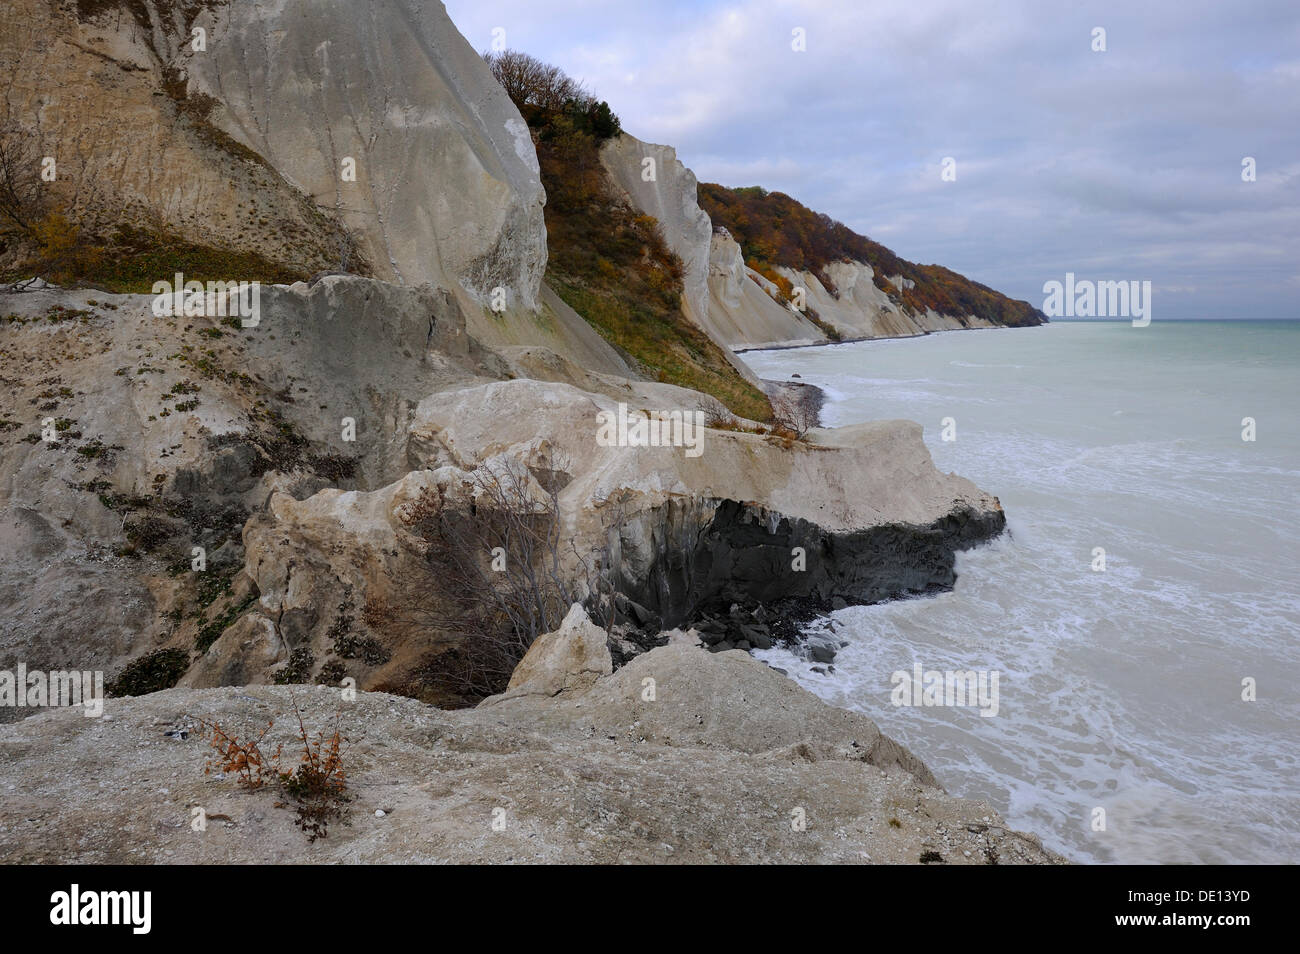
x=774, y=230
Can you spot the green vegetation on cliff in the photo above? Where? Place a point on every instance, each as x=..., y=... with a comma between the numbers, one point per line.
x=775, y=230
x=608, y=261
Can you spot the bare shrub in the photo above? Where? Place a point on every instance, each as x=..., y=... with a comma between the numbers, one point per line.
x=48, y=228
x=316, y=788
x=794, y=411
x=716, y=414
x=24, y=201
x=493, y=573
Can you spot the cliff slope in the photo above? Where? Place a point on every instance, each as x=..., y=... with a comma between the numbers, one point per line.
x=761, y=270
x=324, y=495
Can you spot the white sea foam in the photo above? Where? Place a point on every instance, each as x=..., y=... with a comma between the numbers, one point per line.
x=1120, y=689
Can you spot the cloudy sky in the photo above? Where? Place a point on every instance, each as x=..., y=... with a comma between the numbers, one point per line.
x=1123, y=164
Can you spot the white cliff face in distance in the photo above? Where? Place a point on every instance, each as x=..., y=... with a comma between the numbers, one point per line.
x=731, y=301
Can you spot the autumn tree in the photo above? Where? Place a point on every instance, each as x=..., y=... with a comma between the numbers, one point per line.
x=541, y=92
x=23, y=200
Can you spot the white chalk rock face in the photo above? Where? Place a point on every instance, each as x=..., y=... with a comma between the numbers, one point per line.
x=566, y=661
x=744, y=314
x=741, y=313
x=382, y=112
x=91, y=84
x=861, y=309
x=655, y=182
x=849, y=478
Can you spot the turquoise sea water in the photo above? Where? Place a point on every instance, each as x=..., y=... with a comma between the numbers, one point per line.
x=1119, y=689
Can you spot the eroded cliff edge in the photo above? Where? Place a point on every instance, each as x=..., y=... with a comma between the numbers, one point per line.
x=727, y=762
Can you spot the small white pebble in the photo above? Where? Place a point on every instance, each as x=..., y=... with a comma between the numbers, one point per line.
x=379, y=813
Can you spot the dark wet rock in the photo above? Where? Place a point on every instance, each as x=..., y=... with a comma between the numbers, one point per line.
x=741, y=558
x=732, y=581
x=820, y=652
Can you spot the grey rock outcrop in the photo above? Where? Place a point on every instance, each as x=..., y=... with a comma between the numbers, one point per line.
x=894, y=478
x=685, y=531
x=681, y=533
x=168, y=434
x=725, y=761
x=566, y=661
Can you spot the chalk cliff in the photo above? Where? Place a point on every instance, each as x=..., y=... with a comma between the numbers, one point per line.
x=740, y=308
x=190, y=503
x=285, y=452
x=318, y=133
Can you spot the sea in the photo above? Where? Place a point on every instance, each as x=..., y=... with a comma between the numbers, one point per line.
x=1142, y=611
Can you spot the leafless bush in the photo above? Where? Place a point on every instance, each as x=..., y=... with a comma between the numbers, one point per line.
x=24, y=201
x=46, y=228
x=527, y=80
x=716, y=414
x=494, y=572
x=795, y=410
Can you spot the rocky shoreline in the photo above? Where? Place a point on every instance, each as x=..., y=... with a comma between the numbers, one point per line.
x=735, y=599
